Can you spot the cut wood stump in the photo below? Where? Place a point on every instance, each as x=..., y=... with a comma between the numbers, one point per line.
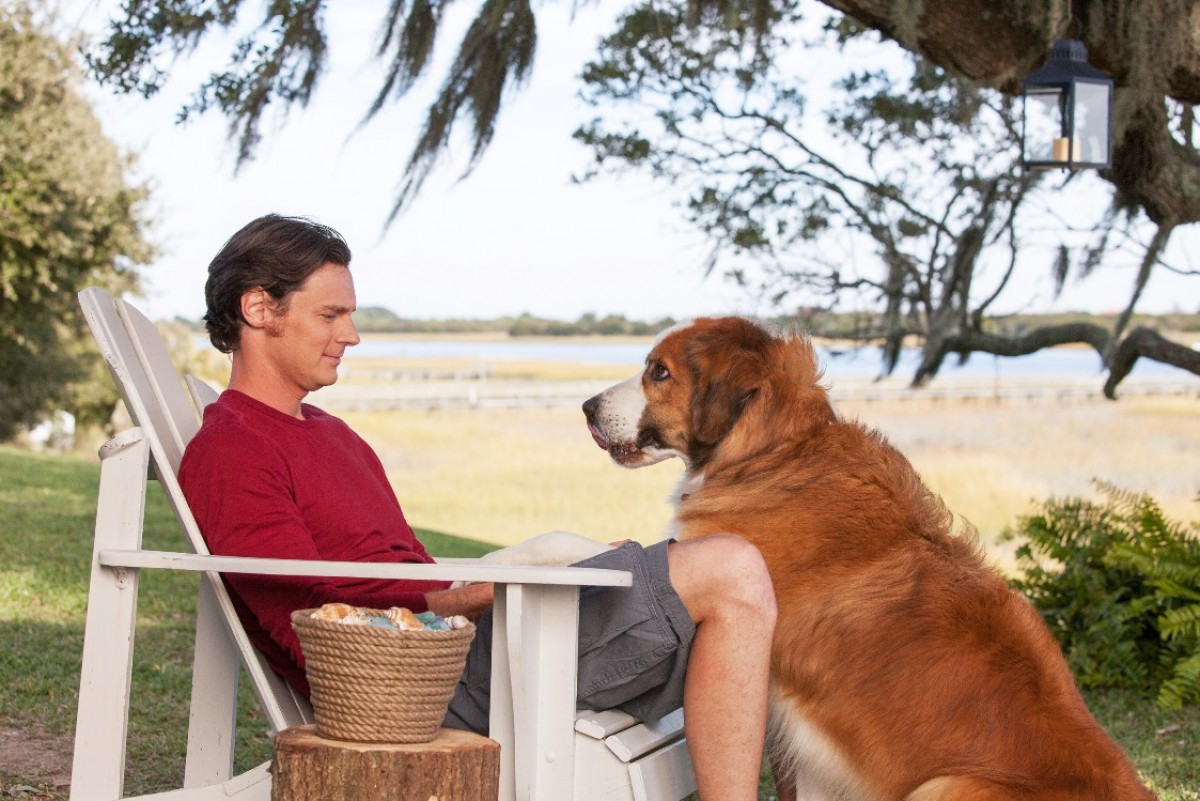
x=455, y=766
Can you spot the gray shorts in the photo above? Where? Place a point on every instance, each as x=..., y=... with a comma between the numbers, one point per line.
x=633, y=645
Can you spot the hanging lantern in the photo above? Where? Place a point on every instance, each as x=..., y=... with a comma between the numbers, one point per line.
x=1067, y=112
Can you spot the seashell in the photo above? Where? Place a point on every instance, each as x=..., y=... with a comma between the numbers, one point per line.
x=458, y=622
x=404, y=619
x=336, y=611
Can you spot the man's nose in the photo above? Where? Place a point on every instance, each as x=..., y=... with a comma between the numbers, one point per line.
x=349, y=333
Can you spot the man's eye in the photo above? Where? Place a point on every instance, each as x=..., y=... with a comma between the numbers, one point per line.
x=659, y=372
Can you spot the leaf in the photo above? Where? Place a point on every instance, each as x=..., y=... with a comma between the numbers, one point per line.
x=1181, y=622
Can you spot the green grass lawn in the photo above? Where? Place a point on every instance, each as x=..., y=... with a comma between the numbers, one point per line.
x=47, y=504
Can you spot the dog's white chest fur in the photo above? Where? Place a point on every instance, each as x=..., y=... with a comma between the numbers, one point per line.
x=689, y=483
x=820, y=770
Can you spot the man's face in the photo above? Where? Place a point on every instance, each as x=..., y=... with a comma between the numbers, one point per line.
x=308, y=338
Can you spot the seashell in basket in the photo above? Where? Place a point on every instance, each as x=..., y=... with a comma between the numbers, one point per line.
x=403, y=618
x=336, y=611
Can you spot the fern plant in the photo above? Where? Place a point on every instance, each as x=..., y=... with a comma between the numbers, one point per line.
x=1168, y=558
x=1119, y=586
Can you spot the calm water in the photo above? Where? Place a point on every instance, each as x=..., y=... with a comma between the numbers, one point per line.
x=864, y=362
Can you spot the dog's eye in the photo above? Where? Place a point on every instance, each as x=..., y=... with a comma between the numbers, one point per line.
x=659, y=372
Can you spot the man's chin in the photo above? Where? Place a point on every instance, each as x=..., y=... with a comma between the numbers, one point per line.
x=322, y=381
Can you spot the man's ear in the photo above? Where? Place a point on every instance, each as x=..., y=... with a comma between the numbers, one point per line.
x=257, y=308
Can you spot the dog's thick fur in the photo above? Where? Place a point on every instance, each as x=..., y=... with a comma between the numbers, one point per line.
x=902, y=666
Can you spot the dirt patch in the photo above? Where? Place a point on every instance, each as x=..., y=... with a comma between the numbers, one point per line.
x=34, y=764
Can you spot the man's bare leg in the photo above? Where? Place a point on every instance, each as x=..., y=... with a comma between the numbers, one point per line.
x=726, y=588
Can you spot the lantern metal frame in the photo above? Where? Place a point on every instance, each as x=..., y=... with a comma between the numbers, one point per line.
x=1074, y=97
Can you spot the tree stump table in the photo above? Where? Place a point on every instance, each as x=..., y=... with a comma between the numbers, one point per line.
x=454, y=766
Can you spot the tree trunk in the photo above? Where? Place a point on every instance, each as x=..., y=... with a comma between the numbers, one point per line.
x=455, y=766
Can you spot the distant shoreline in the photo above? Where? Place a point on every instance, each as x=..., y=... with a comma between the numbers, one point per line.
x=1189, y=338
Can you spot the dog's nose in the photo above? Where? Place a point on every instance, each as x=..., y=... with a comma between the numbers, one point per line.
x=589, y=406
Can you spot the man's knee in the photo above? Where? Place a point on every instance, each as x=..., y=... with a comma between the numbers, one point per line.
x=722, y=573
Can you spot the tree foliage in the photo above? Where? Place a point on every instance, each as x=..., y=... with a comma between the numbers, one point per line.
x=68, y=219
x=280, y=61
x=1148, y=46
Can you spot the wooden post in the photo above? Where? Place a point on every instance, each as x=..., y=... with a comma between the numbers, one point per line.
x=454, y=766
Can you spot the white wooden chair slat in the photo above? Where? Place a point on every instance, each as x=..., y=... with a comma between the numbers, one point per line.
x=637, y=741
x=507, y=574
x=663, y=773
x=180, y=422
x=600, y=724
x=536, y=612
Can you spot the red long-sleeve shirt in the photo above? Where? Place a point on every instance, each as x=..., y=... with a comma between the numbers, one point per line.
x=262, y=483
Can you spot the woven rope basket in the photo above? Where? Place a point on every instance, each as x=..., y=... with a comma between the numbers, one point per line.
x=378, y=685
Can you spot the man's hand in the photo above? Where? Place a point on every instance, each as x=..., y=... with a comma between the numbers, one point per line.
x=470, y=601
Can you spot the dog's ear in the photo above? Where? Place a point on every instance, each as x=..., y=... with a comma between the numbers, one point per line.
x=727, y=364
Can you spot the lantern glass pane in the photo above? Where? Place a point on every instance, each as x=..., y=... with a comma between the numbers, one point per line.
x=1091, y=122
x=1043, y=124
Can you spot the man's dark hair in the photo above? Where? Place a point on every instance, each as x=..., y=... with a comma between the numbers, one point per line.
x=274, y=253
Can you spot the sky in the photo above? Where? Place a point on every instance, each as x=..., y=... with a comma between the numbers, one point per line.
x=516, y=235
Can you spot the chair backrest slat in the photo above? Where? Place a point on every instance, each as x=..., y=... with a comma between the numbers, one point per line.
x=202, y=394
x=179, y=419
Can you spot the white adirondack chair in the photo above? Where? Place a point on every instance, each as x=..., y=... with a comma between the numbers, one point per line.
x=549, y=752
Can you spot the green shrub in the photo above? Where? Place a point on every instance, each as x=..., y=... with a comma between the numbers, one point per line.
x=1119, y=586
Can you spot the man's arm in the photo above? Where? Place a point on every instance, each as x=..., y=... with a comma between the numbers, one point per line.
x=470, y=601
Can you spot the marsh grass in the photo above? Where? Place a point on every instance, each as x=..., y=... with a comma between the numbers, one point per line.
x=532, y=370
x=501, y=475
x=994, y=462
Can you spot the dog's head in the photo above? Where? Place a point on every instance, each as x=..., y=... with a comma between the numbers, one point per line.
x=727, y=385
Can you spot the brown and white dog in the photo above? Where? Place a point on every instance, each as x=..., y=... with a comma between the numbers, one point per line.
x=902, y=666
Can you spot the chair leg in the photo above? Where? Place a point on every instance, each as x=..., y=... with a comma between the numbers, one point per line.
x=537, y=627
x=212, y=722
x=501, y=716
x=98, y=769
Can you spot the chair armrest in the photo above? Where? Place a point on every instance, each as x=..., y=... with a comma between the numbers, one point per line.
x=500, y=574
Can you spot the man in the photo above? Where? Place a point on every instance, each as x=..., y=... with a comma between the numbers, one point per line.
x=268, y=475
